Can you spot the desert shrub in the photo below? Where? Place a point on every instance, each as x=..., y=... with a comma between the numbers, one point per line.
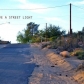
x=52, y=38
x=79, y=53
x=76, y=51
x=45, y=44
x=68, y=43
x=53, y=45
x=36, y=39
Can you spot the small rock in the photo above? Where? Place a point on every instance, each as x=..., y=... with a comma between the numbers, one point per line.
x=60, y=74
x=66, y=75
x=52, y=66
x=55, y=64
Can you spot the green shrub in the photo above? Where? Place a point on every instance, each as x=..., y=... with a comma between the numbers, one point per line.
x=52, y=38
x=36, y=40
x=79, y=53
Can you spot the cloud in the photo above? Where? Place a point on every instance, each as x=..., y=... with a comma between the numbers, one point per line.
x=78, y=2
x=22, y=1
x=33, y=6
x=24, y=4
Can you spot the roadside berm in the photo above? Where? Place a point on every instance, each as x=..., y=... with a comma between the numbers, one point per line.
x=54, y=68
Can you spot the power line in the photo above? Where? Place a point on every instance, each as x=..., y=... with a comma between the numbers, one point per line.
x=22, y=23
x=79, y=7
x=37, y=8
x=52, y=16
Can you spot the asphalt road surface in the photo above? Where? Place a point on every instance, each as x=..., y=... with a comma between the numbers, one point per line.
x=14, y=64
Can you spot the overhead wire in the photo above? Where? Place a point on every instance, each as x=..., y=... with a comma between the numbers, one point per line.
x=78, y=12
x=37, y=8
x=78, y=7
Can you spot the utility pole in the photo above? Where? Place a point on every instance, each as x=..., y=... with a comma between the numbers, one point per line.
x=46, y=33
x=70, y=20
x=32, y=29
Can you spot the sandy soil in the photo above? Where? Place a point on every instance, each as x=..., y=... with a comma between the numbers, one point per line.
x=52, y=68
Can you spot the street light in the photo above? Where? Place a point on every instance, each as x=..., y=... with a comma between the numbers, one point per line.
x=5, y=23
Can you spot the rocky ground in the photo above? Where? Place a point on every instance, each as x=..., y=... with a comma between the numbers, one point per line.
x=52, y=68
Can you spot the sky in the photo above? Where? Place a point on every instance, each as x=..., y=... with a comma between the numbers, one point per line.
x=55, y=12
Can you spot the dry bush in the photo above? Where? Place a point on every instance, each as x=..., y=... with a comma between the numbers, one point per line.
x=68, y=43
x=76, y=51
x=45, y=44
x=65, y=53
x=79, y=52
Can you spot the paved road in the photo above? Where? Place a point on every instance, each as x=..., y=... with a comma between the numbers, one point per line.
x=14, y=66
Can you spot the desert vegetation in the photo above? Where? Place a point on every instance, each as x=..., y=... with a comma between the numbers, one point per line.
x=55, y=38
x=31, y=33
x=74, y=44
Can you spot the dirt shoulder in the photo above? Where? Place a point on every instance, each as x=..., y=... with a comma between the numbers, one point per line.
x=52, y=68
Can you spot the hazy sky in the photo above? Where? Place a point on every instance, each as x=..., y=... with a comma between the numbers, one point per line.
x=55, y=12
